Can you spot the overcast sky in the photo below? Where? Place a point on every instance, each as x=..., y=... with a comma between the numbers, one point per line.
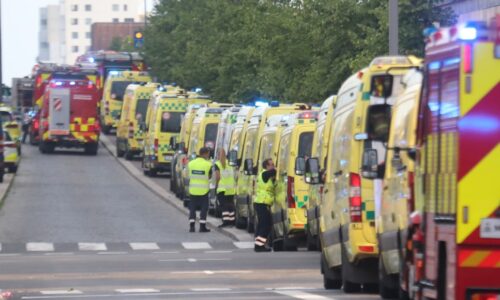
x=20, y=25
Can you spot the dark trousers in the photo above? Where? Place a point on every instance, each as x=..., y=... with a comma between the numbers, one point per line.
x=264, y=222
x=25, y=132
x=227, y=207
x=196, y=202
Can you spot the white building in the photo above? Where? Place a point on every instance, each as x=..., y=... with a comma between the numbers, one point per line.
x=66, y=36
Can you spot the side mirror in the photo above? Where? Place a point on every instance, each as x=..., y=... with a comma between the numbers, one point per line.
x=312, y=171
x=248, y=166
x=300, y=165
x=412, y=154
x=233, y=158
x=173, y=142
x=369, y=168
x=181, y=147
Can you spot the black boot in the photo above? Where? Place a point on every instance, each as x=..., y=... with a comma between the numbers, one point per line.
x=191, y=227
x=225, y=224
x=203, y=228
x=261, y=249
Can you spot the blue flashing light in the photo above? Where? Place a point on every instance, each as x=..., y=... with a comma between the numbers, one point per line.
x=480, y=124
x=274, y=103
x=72, y=83
x=198, y=90
x=467, y=33
x=113, y=73
x=435, y=65
x=261, y=104
x=451, y=61
x=429, y=31
x=91, y=60
x=59, y=83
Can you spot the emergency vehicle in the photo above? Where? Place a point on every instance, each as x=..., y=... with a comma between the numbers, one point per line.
x=246, y=179
x=457, y=249
x=203, y=134
x=352, y=191
x=398, y=200
x=114, y=91
x=69, y=115
x=131, y=128
x=165, y=113
x=289, y=211
x=180, y=159
x=10, y=152
x=11, y=125
x=319, y=150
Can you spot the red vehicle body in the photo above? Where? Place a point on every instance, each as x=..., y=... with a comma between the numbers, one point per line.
x=69, y=116
x=457, y=245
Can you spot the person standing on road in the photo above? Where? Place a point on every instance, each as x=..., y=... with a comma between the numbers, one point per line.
x=25, y=127
x=224, y=176
x=265, y=198
x=200, y=171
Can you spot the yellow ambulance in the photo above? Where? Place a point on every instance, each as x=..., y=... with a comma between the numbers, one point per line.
x=113, y=93
x=319, y=150
x=131, y=129
x=166, y=112
x=292, y=193
x=352, y=191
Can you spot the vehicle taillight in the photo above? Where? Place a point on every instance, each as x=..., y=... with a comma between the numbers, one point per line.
x=131, y=131
x=156, y=145
x=485, y=297
x=355, y=197
x=290, y=192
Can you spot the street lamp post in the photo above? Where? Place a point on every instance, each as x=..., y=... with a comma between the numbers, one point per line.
x=393, y=27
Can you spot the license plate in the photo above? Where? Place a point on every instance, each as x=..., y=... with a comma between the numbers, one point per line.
x=490, y=229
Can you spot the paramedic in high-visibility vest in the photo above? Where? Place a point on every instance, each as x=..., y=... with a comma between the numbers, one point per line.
x=266, y=182
x=226, y=189
x=200, y=171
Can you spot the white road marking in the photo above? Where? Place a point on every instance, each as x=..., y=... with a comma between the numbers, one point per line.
x=0, y=247
x=192, y=260
x=244, y=245
x=211, y=290
x=61, y=292
x=144, y=246
x=301, y=295
x=45, y=247
x=208, y=272
x=9, y=254
x=129, y=291
x=196, y=245
x=92, y=247
x=213, y=272
x=178, y=294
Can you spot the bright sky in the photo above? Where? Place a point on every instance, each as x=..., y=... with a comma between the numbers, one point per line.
x=20, y=25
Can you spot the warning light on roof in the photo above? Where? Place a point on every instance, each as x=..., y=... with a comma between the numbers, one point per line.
x=467, y=33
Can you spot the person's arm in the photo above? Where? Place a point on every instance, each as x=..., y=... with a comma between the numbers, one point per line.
x=266, y=175
x=217, y=174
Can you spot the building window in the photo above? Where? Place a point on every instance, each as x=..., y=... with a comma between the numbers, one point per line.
x=43, y=22
x=115, y=7
x=74, y=7
x=74, y=21
x=88, y=35
x=129, y=20
x=75, y=49
x=88, y=21
x=125, y=7
x=44, y=45
x=115, y=20
x=88, y=7
x=74, y=35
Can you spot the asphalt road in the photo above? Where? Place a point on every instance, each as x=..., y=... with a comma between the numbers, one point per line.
x=76, y=226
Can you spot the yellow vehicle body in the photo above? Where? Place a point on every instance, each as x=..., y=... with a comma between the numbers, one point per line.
x=11, y=154
x=166, y=111
x=203, y=134
x=319, y=150
x=246, y=183
x=351, y=200
x=10, y=123
x=113, y=93
x=399, y=173
x=130, y=131
x=289, y=210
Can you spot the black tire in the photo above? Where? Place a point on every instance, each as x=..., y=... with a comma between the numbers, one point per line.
x=106, y=129
x=348, y=286
x=91, y=149
x=311, y=242
x=329, y=283
x=129, y=155
x=119, y=152
x=277, y=243
x=250, y=221
x=13, y=169
x=387, y=284
x=289, y=244
x=153, y=172
x=46, y=148
x=1, y=176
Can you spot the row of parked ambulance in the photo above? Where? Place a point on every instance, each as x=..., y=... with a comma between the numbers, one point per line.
x=394, y=179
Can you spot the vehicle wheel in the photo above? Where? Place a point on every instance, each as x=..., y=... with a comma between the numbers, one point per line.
x=311, y=241
x=119, y=152
x=91, y=149
x=13, y=169
x=347, y=285
x=329, y=283
x=153, y=172
x=387, y=284
x=372, y=288
x=106, y=129
x=289, y=244
x=277, y=243
x=46, y=147
x=32, y=138
x=129, y=155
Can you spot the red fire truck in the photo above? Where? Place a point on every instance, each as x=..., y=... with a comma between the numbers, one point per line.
x=456, y=251
x=69, y=116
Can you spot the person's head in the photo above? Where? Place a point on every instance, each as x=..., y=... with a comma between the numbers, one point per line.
x=268, y=164
x=205, y=152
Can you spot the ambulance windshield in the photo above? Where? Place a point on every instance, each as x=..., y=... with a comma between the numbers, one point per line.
x=118, y=89
x=171, y=121
x=305, y=144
